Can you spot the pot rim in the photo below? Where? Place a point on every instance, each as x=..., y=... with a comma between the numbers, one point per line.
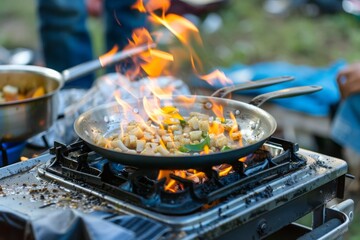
x=44, y=71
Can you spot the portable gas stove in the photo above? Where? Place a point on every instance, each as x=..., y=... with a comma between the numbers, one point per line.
x=258, y=198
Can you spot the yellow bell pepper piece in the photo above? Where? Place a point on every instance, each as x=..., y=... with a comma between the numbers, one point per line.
x=40, y=91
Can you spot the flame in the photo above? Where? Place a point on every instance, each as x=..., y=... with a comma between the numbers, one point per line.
x=195, y=176
x=161, y=54
x=105, y=59
x=127, y=108
x=216, y=128
x=183, y=29
x=243, y=159
x=140, y=36
x=160, y=92
x=235, y=128
x=160, y=115
x=215, y=76
x=172, y=185
x=186, y=99
x=218, y=109
x=128, y=114
x=225, y=171
x=154, y=63
x=151, y=6
x=153, y=110
x=139, y=5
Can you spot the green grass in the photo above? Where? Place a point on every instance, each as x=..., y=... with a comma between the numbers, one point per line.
x=18, y=26
x=249, y=35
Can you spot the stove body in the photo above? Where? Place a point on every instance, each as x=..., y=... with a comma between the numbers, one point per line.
x=260, y=204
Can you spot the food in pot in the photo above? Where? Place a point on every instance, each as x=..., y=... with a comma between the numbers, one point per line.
x=11, y=93
x=195, y=134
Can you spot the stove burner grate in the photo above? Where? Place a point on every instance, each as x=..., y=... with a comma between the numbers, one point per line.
x=77, y=162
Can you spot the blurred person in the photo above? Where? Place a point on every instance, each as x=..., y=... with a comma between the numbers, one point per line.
x=65, y=37
x=349, y=80
x=66, y=42
x=346, y=124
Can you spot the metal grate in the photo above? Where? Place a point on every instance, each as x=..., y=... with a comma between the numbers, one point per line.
x=141, y=187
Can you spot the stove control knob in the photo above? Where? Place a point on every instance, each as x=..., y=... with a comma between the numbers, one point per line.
x=262, y=227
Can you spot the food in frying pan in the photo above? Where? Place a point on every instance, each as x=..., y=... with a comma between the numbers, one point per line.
x=195, y=134
x=10, y=93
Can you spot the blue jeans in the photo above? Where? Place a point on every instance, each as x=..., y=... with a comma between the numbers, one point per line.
x=345, y=128
x=65, y=38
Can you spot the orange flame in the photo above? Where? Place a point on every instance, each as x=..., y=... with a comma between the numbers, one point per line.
x=126, y=110
x=196, y=176
x=172, y=185
x=225, y=171
x=161, y=54
x=188, y=100
x=105, y=59
x=139, y=5
x=234, y=128
x=161, y=115
x=154, y=62
x=237, y=132
x=216, y=75
x=152, y=6
x=218, y=110
x=152, y=109
x=243, y=159
x=125, y=106
x=160, y=92
x=184, y=30
x=216, y=128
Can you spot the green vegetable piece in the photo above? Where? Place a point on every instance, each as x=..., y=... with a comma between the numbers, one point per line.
x=200, y=146
x=225, y=148
x=182, y=123
x=184, y=149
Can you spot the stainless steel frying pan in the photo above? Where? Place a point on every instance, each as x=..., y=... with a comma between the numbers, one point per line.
x=256, y=125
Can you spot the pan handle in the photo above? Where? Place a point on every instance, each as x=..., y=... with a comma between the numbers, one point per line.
x=223, y=92
x=287, y=92
x=87, y=67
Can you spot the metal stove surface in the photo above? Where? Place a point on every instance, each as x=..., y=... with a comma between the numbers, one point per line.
x=24, y=187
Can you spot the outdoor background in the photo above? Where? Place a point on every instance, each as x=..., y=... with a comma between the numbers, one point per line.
x=240, y=32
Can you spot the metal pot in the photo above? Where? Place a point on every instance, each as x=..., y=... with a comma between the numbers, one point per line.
x=256, y=125
x=20, y=120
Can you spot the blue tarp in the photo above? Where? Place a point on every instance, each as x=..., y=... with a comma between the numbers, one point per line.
x=316, y=104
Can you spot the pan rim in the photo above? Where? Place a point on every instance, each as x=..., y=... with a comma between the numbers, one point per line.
x=93, y=146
